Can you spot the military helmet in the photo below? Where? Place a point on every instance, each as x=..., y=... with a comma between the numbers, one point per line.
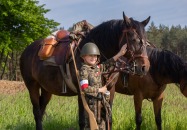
x=90, y=49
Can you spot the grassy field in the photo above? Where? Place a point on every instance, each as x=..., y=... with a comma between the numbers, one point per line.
x=16, y=112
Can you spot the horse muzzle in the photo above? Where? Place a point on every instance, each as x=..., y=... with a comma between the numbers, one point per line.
x=139, y=69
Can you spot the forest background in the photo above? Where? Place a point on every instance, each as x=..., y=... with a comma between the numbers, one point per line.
x=23, y=21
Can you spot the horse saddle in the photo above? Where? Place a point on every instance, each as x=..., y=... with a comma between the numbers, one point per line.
x=52, y=45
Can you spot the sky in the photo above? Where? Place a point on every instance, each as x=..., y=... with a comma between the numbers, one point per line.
x=164, y=12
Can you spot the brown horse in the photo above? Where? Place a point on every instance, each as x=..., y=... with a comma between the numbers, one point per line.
x=165, y=67
x=42, y=80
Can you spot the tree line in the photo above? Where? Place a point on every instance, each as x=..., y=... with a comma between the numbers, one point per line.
x=173, y=38
x=23, y=21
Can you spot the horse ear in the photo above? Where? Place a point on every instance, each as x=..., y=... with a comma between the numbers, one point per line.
x=145, y=22
x=127, y=21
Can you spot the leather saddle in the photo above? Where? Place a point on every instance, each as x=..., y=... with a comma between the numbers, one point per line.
x=57, y=47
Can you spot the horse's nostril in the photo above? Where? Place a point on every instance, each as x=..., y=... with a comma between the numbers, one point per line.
x=143, y=69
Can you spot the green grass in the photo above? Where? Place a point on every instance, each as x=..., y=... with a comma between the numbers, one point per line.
x=61, y=112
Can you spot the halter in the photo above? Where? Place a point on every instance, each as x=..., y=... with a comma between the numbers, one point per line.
x=132, y=54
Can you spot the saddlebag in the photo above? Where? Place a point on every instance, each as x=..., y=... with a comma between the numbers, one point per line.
x=47, y=48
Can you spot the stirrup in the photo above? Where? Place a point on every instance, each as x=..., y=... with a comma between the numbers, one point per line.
x=64, y=87
x=125, y=80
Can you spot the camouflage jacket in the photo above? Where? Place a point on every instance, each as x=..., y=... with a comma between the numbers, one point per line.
x=90, y=76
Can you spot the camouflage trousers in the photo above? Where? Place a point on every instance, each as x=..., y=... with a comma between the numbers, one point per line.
x=101, y=110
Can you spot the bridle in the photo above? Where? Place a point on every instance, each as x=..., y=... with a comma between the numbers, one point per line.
x=132, y=54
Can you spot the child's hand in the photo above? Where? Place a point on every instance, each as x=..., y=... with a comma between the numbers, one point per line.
x=121, y=52
x=103, y=89
x=123, y=49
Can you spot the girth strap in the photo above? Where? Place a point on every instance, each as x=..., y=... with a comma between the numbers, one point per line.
x=67, y=80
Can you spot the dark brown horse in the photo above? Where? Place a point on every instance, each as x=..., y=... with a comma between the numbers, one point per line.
x=42, y=80
x=165, y=67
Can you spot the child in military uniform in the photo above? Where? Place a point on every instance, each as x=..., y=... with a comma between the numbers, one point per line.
x=90, y=72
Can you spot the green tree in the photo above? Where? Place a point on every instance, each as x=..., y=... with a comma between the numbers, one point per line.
x=21, y=22
x=181, y=46
x=153, y=34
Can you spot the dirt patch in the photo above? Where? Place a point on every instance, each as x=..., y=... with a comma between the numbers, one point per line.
x=11, y=87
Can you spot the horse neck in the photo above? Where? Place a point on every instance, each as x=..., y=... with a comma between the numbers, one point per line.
x=165, y=67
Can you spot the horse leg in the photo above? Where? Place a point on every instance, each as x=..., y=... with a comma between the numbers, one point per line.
x=138, y=109
x=81, y=113
x=157, y=104
x=44, y=100
x=33, y=88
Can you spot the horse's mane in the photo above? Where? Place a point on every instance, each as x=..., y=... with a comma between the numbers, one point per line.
x=106, y=35
x=165, y=63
